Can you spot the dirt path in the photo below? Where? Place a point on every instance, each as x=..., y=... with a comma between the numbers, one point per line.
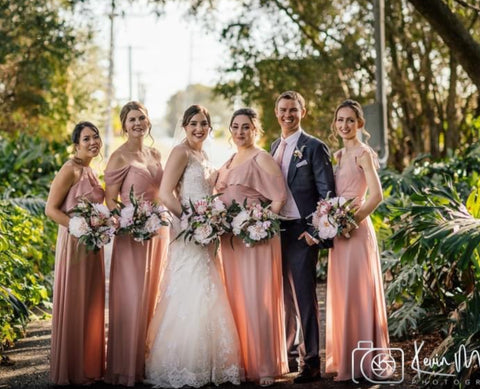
x=31, y=363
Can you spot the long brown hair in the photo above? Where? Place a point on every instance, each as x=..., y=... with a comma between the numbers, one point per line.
x=357, y=108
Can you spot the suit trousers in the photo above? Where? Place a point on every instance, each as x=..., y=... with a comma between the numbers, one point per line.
x=299, y=281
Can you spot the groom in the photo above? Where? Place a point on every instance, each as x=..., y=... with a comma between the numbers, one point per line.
x=306, y=166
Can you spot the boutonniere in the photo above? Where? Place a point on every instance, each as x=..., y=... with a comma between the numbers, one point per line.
x=298, y=153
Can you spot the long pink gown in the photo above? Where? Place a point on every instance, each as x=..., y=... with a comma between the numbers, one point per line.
x=355, y=299
x=253, y=275
x=78, y=338
x=134, y=280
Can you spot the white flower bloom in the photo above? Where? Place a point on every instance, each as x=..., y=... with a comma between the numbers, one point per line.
x=218, y=205
x=326, y=230
x=257, y=231
x=126, y=216
x=146, y=207
x=78, y=226
x=153, y=224
x=101, y=209
x=202, y=234
x=238, y=221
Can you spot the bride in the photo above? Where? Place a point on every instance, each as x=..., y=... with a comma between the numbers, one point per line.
x=192, y=339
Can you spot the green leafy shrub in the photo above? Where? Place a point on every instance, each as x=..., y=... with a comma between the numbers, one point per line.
x=28, y=164
x=27, y=237
x=26, y=262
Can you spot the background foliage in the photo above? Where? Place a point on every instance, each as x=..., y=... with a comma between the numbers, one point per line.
x=325, y=50
x=49, y=68
x=27, y=237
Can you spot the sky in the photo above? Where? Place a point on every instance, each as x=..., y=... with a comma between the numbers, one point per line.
x=167, y=54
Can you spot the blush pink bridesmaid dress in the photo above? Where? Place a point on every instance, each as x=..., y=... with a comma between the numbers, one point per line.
x=134, y=282
x=253, y=275
x=78, y=337
x=355, y=300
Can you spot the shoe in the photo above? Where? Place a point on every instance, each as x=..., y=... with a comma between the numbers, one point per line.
x=293, y=353
x=266, y=381
x=308, y=374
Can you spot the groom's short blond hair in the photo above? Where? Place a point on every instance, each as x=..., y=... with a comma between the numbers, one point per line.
x=291, y=95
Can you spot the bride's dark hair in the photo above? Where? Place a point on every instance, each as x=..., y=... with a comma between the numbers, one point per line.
x=191, y=111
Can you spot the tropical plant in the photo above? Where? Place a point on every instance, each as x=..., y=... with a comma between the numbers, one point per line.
x=28, y=164
x=435, y=262
x=27, y=237
x=27, y=245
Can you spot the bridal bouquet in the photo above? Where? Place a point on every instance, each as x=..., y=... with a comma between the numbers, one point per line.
x=204, y=220
x=332, y=216
x=253, y=223
x=92, y=224
x=141, y=218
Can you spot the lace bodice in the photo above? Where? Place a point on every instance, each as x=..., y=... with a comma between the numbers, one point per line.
x=195, y=182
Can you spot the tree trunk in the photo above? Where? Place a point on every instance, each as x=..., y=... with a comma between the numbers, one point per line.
x=452, y=133
x=454, y=34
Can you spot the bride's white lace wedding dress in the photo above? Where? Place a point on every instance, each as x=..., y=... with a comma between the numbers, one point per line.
x=192, y=340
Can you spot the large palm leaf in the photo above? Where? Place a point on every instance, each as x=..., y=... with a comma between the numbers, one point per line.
x=34, y=205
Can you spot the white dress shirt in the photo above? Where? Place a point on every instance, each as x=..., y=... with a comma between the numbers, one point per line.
x=290, y=209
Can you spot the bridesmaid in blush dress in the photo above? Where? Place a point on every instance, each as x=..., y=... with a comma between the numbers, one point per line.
x=253, y=275
x=355, y=299
x=78, y=341
x=136, y=266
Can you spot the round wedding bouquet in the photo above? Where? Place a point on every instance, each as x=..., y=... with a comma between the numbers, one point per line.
x=141, y=218
x=332, y=216
x=253, y=223
x=204, y=220
x=92, y=223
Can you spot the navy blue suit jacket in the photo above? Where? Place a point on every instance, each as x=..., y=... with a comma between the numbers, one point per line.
x=310, y=177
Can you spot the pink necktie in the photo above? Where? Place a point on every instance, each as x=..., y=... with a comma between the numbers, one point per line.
x=280, y=151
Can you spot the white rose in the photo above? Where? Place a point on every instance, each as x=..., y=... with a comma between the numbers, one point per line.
x=326, y=230
x=78, y=226
x=153, y=224
x=102, y=209
x=202, y=234
x=126, y=216
x=218, y=206
x=238, y=221
x=257, y=231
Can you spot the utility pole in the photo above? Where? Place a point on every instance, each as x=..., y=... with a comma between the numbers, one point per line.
x=376, y=113
x=108, y=112
x=130, y=87
x=380, y=94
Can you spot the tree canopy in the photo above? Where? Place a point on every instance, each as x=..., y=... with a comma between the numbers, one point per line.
x=325, y=50
x=41, y=67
